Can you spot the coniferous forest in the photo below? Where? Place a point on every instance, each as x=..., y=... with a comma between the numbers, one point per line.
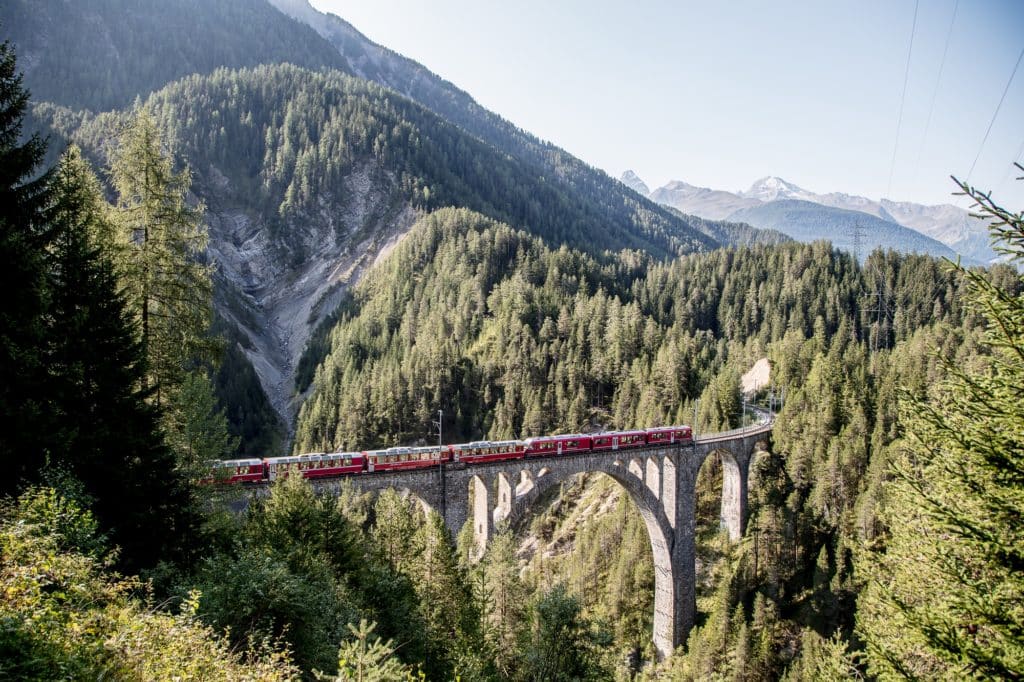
x=884, y=538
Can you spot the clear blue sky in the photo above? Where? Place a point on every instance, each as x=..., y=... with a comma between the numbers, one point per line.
x=721, y=93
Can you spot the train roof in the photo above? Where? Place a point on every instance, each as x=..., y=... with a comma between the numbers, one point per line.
x=238, y=462
x=559, y=436
x=487, y=443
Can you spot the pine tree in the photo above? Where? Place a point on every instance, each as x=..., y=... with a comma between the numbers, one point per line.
x=946, y=597
x=24, y=235
x=446, y=601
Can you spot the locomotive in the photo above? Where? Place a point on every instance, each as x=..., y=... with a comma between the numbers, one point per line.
x=332, y=464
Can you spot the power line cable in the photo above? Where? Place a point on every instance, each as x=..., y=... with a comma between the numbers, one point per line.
x=935, y=92
x=1017, y=158
x=994, y=115
x=903, y=98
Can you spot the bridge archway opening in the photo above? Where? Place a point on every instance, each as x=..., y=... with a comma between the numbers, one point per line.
x=606, y=531
x=418, y=502
x=718, y=519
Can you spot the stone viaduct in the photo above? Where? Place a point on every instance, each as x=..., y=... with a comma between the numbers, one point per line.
x=661, y=482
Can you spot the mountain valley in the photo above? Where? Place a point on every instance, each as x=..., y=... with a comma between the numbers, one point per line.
x=313, y=368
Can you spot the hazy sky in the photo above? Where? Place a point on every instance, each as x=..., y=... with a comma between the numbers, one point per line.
x=721, y=93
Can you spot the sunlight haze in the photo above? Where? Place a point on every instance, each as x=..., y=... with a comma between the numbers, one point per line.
x=720, y=94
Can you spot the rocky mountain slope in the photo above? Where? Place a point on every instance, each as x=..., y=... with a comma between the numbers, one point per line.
x=291, y=224
x=309, y=177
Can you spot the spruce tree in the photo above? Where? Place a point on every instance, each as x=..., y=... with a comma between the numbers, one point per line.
x=946, y=598
x=104, y=430
x=24, y=234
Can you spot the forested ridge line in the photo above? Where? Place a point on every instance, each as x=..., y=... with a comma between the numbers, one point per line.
x=513, y=337
x=286, y=136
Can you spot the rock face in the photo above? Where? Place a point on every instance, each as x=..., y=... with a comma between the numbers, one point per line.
x=277, y=293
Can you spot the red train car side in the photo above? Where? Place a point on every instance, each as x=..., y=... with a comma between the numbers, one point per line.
x=487, y=451
x=334, y=464
x=557, y=445
x=669, y=435
x=238, y=471
x=617, y=440
x=400, y=458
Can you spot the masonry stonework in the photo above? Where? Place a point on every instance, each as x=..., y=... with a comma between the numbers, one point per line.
x=661, y=482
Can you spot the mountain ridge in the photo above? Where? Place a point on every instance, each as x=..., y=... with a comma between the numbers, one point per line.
x=944, y=223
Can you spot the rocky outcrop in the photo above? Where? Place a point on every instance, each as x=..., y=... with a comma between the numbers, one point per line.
x=277, y=290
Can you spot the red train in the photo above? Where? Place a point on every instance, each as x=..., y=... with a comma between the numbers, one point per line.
x=330, y=464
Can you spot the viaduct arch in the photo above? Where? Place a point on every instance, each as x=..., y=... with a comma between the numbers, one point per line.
x=661, y=482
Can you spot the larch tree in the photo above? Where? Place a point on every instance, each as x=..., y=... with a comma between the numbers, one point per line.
x=164, y=242
x=105, y=432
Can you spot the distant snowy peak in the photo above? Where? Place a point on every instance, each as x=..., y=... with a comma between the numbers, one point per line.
x=633, y=181
x=948, y=224
x=711, y=204
x=772, y=188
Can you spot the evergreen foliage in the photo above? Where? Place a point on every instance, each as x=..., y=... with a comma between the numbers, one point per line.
x=944, y=599
x=103, y=54
x=515, y=338
x=104, y=432
x=24, y=234
x=163, y=239
x=560, y=644
x=287, y=138
x=366, y=660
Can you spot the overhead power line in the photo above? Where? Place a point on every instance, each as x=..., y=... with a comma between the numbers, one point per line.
x=994, y=115
x=903, y=98
x=935, y=92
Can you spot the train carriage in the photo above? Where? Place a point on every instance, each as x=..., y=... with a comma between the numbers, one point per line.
x=335, y=464
x=281, y=467
x=238, y=471
x=487, y=451
x=617, y=440
x=545, y=446
x=325, y=465
x=399, y=458
x=669, y=435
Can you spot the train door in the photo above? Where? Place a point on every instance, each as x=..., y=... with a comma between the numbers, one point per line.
x=615, y=442
x=559, y=447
